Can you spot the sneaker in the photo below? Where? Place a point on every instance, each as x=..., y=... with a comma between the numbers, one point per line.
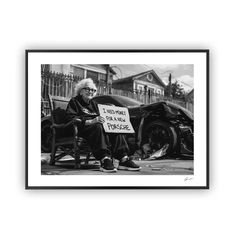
x=107, y=166
x=129, y=165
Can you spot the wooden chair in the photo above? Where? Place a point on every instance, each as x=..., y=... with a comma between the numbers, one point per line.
x=65, y=134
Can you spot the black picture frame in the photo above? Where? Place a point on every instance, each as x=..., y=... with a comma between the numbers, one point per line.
x=29, y=122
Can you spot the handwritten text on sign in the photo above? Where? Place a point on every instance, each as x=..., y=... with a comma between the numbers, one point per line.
x=116, y=119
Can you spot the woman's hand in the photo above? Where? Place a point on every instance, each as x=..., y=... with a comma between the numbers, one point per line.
x=97, y=119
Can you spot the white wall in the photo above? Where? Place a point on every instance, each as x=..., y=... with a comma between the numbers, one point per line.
x=124, y=24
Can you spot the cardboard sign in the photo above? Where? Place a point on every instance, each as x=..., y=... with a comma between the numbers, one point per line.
x=116, y=119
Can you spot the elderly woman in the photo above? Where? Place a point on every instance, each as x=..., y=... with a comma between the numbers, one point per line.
x=103, y=145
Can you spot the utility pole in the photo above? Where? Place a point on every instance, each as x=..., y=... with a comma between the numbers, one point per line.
x=169, y=92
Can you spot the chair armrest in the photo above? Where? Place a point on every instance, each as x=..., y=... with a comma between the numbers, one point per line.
x=73, y=122
x=60, y=126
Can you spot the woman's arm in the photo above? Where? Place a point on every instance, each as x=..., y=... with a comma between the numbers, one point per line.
x=71, y=110
x=95, y=120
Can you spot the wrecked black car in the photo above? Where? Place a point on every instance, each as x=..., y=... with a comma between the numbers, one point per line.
x=161, y=129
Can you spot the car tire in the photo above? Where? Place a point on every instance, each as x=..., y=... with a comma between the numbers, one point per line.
x=46, y=137
x=159, y=134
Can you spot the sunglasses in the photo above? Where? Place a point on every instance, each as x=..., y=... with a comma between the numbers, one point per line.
x=90, y=90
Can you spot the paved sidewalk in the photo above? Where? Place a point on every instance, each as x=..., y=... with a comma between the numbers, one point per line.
x=180, y=166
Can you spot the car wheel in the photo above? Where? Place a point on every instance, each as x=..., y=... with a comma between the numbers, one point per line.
x=159, y=139
x=46, y=137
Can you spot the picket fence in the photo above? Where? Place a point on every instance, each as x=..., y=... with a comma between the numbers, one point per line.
x=62, y=85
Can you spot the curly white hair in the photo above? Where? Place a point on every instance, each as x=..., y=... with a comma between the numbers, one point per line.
x=84, y=83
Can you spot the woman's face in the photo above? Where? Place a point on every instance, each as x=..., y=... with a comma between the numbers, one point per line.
x=88, y=92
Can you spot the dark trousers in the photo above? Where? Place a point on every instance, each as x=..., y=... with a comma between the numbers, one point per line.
x=104, y=144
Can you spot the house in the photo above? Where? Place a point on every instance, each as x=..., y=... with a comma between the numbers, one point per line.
x=146, y=82
x=189, y=96
x=102, y=75
x=60, y=79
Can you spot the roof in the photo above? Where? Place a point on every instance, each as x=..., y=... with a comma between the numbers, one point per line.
x=134, y=77
x=112, y=71
x=190, y=93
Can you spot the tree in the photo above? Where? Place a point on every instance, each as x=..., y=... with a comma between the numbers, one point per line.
x=175, y=90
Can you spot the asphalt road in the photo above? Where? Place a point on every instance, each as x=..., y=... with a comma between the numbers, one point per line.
x=178, y=166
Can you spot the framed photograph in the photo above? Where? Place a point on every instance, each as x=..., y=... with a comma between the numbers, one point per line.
x=117, y=119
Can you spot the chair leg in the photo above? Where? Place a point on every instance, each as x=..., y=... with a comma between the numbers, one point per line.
x=54, y=148
x=76, y=147
x=53, y=154
x=76, y=154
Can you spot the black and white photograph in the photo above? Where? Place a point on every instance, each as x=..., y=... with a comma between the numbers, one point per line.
x=117, y=118
x=128, y=125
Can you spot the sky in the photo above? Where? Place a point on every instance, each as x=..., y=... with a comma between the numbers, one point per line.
x=183, y=73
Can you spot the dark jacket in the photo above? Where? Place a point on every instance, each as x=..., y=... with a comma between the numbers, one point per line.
x=77, y=108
